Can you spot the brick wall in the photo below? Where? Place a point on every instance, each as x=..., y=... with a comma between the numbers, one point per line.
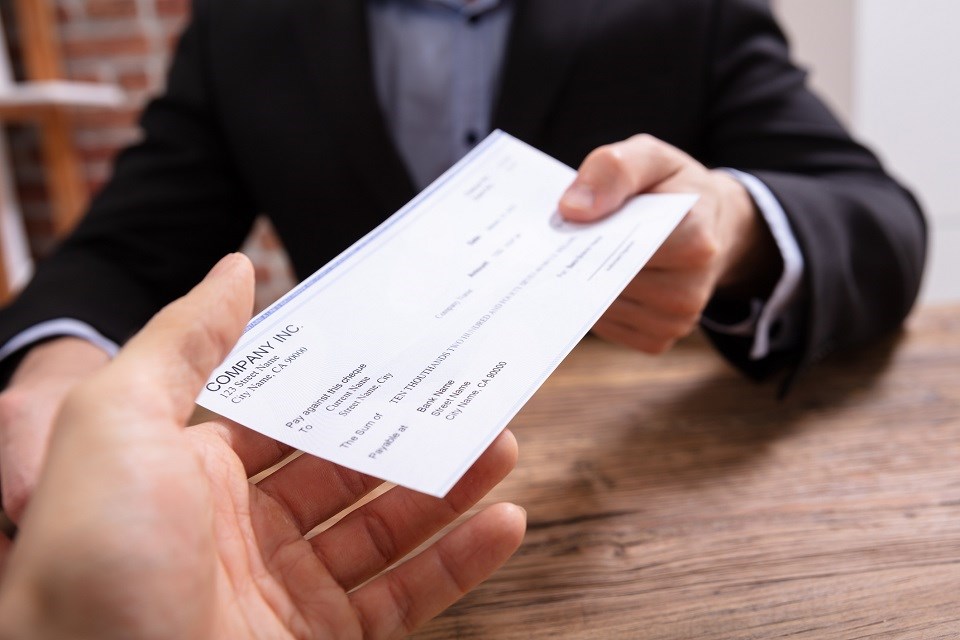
x=128, y=43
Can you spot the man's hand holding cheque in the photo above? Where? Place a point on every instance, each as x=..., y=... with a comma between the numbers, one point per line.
x=723, y=246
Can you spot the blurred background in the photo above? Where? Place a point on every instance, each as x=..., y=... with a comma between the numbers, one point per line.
x=126, y=43
x=890, y=70
x=887, y=67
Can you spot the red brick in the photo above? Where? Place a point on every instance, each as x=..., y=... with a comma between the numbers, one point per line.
x=135, y=80
x=262, y=273
x=104, y=40
x=95, y=184
x=128, y=45
x=89, y=155
x=269, y=240
x=62, y=15
x=173, y=8
x=111, y=8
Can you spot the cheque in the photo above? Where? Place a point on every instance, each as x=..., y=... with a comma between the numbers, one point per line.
x=405, y=356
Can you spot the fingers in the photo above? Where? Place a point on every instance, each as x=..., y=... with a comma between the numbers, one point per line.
x=312, y=490
x=649, y=320
x=643, y=327
x=656, y=309
x=383, y=531
x=400, y=601
x=636, y=337
x=671, y=293
x=615, y=172
x=693, y=245
x=166, y=364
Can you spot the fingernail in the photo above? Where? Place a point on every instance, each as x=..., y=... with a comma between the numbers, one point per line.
x=579, y=196
x=226, y=264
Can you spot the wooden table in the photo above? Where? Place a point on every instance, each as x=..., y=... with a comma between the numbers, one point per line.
x=670, y=498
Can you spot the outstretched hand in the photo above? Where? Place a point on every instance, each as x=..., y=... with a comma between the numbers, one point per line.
x=722, y=246
x=141, y=528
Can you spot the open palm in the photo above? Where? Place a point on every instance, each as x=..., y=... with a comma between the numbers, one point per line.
x=143, y=529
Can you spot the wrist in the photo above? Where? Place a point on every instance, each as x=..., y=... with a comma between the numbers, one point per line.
x=752, y=262
x=61, y=357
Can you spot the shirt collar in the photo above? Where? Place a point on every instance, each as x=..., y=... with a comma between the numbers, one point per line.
x=465, y=7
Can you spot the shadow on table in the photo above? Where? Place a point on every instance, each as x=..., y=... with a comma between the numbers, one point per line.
x=680, y=433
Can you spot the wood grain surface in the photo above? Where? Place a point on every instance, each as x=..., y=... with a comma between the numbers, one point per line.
x=670, y=498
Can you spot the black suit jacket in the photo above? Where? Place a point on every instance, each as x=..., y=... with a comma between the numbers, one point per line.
x=270, y=107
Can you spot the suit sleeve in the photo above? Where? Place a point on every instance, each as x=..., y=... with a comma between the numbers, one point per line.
x=174, y=205
x=862, y=235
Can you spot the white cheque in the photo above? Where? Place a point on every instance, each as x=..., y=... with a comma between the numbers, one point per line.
x=405, y=356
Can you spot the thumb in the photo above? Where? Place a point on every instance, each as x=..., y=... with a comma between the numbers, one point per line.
x=165, y=365
x=615, y=172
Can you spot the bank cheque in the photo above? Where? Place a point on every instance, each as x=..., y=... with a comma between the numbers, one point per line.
x=405, y=356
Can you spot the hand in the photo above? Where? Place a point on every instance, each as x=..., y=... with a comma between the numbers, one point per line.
x=27, y=409
x=140, y=528
x=721, y=247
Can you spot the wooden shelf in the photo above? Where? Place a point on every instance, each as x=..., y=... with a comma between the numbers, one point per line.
x=44, y=99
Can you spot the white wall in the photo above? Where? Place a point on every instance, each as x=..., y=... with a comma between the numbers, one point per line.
x=892, y=68
x=820, y=32
x=907, y=101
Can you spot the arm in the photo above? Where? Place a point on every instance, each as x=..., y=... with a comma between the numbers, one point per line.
x=722, y=247
x=862, y=235
x=141, y=528
x=859, y=232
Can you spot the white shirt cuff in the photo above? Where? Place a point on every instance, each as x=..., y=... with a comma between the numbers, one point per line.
x=765, y=315
x=58, y=328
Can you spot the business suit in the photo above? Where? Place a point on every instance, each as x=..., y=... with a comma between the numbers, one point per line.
x=270, y=107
